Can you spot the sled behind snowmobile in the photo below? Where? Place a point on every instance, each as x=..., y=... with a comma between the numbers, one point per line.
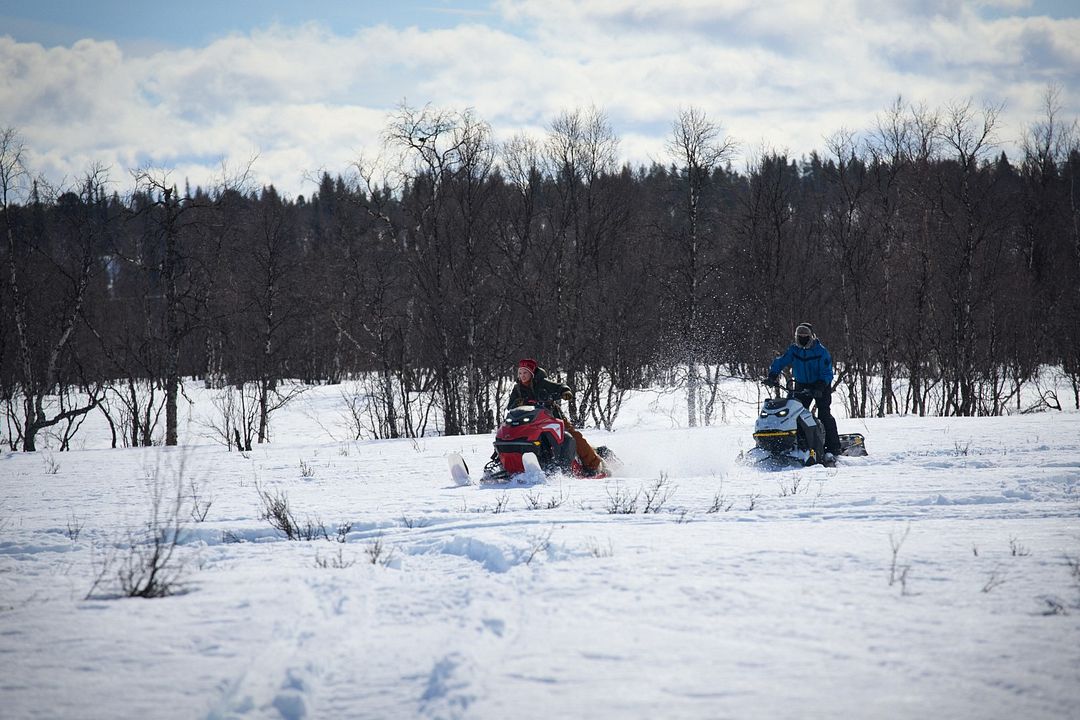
x=852, y=445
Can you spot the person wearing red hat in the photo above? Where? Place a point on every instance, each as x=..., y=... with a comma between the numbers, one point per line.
x=533, y=388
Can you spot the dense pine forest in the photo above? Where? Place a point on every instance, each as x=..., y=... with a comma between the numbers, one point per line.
x=941, y=273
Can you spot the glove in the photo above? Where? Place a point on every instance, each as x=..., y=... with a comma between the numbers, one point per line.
x=773, y=380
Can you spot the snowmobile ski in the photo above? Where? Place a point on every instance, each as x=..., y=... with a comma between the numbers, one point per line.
x=459, y=471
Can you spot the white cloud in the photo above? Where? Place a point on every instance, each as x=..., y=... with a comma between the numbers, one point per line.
x=304, y=98
x=1005, y=4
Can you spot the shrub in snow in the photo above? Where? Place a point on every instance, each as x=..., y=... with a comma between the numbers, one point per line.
x=1054, y=607
x=791, y=484
x=720, y=501
x=343, y=532
x=413, y=522
x=597, y=550
x=620, y=501
x=200, y=503
x=276, y=511
x=657, y=494
x=535, y=501
x=146, y=564
x=1017, y=549
x=337, y=562
x=74, y=527
x=1074, y=571
x=896, y=541
x=538, y=544
x=994, y=580
x=378, y=553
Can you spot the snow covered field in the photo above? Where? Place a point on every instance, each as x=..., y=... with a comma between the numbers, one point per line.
x=776, y=605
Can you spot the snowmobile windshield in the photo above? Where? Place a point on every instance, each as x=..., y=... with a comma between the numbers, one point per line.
x=521, y=415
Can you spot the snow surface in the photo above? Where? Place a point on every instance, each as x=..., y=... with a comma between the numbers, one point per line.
x=781, y=610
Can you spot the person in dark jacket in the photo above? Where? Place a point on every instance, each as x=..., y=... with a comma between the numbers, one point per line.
x=811, y=364
x=533, y=388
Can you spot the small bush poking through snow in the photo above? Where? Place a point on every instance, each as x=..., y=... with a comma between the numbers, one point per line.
x=620, y=501
x=343, y=531
x=1074, y=571
x=146, y=565
x=276, y=511
x=720, y=502
x=1074, y=568
x=1054, y=607
x=896, y=541
x=337, y=561
x=791, y=485
x=378, y=553
x=994, y=581
x=1017, y=549
x=74, y=527
x=657, y=494
x=597, y=550
x=534, y=501
x=200, y=503
x=539, y=544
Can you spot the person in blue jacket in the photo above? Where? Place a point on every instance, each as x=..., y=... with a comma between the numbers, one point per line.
x=812, y=367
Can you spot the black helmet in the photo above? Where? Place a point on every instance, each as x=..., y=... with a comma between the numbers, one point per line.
x=804, y=335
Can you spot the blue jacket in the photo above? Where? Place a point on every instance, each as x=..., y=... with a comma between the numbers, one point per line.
x=808, y=365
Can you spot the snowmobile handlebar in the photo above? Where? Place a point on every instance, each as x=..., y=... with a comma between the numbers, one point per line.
x=801, y=394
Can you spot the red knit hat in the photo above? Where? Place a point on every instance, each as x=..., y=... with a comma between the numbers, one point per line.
x=528, y=363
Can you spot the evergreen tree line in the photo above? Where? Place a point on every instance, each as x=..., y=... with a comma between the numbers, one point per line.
x=941, y=274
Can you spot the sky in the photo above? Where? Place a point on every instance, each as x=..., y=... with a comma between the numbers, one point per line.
x=304, y=87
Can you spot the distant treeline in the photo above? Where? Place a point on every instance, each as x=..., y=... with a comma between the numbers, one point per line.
x=940, y=273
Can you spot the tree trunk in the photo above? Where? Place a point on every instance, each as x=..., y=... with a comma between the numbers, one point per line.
x=172, y=324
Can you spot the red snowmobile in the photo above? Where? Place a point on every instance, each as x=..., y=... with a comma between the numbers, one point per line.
x=532, y=441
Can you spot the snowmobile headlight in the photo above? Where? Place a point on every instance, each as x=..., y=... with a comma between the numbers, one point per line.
x=782, y=413
x=764, y=414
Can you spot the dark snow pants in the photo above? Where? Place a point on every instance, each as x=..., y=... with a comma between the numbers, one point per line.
x=823, y=398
